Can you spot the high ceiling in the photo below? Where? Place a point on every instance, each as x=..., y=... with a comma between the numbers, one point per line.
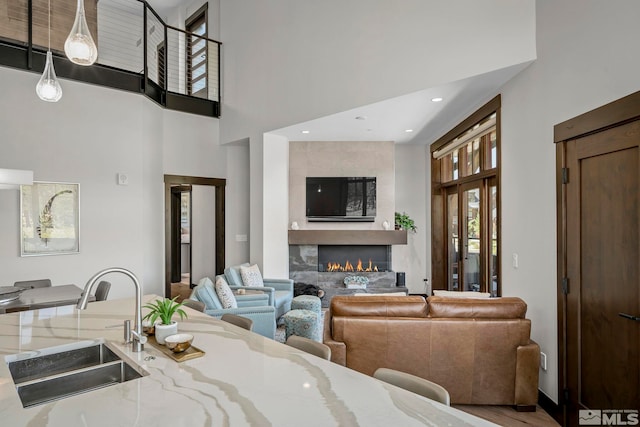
x=391, y=119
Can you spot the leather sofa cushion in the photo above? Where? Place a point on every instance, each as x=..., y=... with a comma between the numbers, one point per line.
x=490, y=308
x=379, y=306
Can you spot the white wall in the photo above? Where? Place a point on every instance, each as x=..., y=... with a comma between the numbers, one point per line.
x=276, y=207
x=341, y=158
x=203, y=233
x=316, y=58
x=285, y=62
x=237, y=203
x=413, y=196
x=88, y=137
x=583, y=62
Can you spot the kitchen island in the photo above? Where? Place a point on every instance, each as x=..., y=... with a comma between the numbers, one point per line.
x=243, y=379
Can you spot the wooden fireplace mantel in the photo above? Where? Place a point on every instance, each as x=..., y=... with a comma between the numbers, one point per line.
x=347, y=237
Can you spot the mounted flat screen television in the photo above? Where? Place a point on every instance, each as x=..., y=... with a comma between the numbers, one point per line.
x=341, y=199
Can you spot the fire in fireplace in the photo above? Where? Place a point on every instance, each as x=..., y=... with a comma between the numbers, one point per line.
x=336, y=266
x=349, y=258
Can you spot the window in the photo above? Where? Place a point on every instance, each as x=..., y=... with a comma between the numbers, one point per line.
x=196, y=27
x=465, y=204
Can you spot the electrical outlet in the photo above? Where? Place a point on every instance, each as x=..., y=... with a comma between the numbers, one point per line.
x=123, y=179
x=514, y=258
x=543, y=361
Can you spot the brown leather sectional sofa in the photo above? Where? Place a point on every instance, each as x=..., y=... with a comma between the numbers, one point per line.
x=478, y=349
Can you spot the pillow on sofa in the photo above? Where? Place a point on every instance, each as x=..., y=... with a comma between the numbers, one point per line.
x=464, y=294
x=251, y=275
x=232, y=274
x=206, y=293
x=225, y=293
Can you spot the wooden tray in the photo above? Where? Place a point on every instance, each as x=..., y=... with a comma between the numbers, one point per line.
x=190, y=353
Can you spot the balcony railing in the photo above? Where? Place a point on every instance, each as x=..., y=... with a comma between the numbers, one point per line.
x=137, y=50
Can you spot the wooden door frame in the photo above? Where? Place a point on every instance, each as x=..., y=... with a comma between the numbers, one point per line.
x=219, y=184
x=614, y=114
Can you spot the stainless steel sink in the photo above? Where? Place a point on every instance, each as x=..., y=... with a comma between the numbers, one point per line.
x=59, y=372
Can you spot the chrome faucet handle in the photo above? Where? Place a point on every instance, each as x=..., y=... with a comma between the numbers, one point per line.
x=141, y=338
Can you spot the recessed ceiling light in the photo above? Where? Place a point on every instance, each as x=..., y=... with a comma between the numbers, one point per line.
x=408, y=130
x=306, y=131
x=361, y=118
x=436, y=99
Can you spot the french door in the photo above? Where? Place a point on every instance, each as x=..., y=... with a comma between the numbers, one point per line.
x=472, y=236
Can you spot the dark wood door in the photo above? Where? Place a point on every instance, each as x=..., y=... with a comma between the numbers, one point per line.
x=176, y=232
x=602, y=257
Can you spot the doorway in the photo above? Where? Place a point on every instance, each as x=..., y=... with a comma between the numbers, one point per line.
x=181, y=241
x=598, y=159
x=184, y=229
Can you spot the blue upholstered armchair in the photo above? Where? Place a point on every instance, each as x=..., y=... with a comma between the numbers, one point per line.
x=280, y=291
x=253, y=306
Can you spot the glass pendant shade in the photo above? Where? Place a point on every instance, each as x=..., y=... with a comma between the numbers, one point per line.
x=48, y=88
x=79, y=46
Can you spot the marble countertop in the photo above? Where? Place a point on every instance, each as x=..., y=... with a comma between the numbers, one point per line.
x=244, y=379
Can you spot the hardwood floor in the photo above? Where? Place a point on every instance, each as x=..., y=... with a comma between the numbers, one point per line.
x=182, y=289
x=509, y=417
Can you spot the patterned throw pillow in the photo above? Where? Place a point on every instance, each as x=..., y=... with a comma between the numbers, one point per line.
x=225, y=294
x=251, y=275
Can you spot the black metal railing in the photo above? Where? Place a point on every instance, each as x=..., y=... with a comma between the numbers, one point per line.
x=137, y=51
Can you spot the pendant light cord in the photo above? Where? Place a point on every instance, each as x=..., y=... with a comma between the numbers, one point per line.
x=49, y=24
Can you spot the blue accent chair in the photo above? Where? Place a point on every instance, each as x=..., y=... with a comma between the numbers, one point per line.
x=253, y=306
x=280, y=291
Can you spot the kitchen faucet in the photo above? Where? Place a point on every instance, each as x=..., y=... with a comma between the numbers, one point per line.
x=137, y=344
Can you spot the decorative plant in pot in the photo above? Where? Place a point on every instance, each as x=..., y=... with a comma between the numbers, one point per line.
x=164, y=310
x=404, y=222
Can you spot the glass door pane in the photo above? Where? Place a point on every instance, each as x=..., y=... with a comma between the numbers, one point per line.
x=452, y=241
x=493, y=232
x=471, y=253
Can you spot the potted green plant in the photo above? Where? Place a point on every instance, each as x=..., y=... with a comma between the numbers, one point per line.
x=164, y=309
x=404, y=222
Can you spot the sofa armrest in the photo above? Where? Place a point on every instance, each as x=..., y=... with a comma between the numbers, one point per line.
x=267, y=290
x=239, y=311
x=279, y=284
x=338, y=349
x=527, y=373
x=252, y=300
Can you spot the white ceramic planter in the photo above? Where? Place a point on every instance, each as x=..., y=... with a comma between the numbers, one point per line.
x=163, y=331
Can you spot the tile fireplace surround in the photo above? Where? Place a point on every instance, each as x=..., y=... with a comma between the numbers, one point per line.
x=303, y=260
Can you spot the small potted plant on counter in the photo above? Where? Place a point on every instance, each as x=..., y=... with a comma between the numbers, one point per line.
x=404, y=222
x=164, y=310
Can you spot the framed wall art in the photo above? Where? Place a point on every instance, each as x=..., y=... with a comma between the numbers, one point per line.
x=49, y=218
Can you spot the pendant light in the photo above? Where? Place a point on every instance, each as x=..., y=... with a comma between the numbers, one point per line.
x=48, y=87
x=79, y=46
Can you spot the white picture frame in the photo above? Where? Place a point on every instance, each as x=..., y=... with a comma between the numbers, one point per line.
x=49, y=219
